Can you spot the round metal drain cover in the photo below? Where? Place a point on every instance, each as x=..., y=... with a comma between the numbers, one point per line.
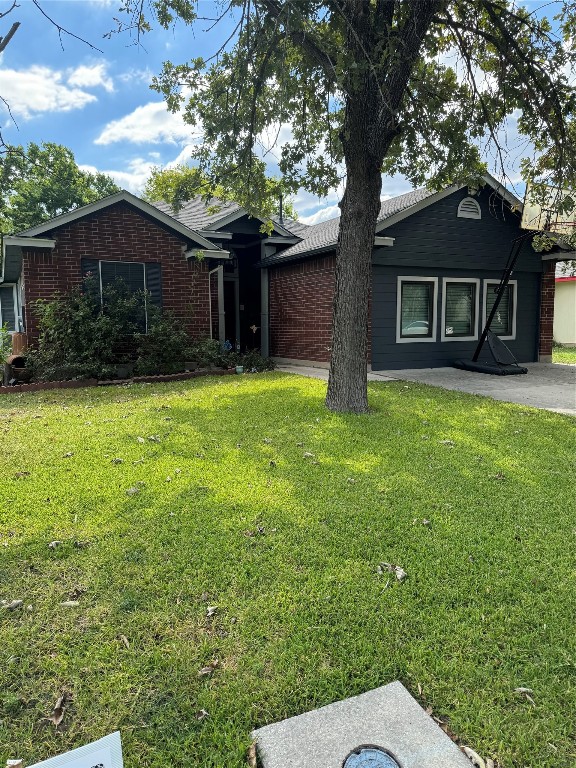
x=370, y=757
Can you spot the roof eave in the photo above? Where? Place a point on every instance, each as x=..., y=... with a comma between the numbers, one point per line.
x=120, y=197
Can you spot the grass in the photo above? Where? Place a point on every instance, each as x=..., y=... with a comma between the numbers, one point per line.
x=561, y=354
x=279, y=513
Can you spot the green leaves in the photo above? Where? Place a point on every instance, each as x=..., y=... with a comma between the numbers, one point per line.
x=43, y=181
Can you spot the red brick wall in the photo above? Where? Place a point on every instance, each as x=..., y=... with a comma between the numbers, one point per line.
x=301, y=309
x=119, y=233
x=301, y=298
x=548, y=287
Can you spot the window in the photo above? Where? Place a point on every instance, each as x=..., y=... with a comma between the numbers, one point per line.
x=8, y=307
x=138, y=276
x=416, y=309
x=469, y=209
x=460, y=298
x=504, y=322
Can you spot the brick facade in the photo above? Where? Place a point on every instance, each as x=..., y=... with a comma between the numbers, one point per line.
x=118, y=233
x=301, y=298
x=547, y=290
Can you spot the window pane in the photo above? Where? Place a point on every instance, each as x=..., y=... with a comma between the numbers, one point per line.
x=501, y=325
x=131, y=273
x=460, y=312
x=7, y=310
x=416, y=308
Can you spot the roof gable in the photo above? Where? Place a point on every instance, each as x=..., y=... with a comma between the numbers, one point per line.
x=214, y=215
x=324, y=236
x=122, y=197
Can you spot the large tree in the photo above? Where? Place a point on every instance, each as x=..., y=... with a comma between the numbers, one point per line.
x=414, y=86
x=43, y=181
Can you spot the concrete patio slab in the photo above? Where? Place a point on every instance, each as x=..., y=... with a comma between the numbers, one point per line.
x=548, y=386
x=387, y=718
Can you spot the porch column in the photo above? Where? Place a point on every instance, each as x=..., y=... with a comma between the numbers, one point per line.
x=221, y=313
x=264, y=319
x=547, y=290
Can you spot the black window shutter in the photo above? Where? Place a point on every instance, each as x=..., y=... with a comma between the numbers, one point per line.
x=154, y=283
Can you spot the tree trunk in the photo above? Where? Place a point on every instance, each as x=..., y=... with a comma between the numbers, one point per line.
x=373, y=97
x=347, y=383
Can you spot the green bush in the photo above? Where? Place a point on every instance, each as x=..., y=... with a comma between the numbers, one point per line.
x=82, y=335
x=164, y=347
x=5, y=342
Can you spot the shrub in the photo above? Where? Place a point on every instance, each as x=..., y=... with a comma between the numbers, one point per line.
x=5, y=342
x=163, y=348
x=82, y=335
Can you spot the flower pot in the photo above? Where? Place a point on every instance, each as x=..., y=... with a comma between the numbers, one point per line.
x=239, y=369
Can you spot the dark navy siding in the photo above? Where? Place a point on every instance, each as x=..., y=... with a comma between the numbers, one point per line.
x=436, y=243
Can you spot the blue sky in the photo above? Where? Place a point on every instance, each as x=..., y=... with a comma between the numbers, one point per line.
x=99, y=104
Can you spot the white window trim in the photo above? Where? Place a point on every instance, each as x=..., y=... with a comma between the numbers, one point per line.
x=514, y=285
x=476, y=282
x=415, y=339
x=16, y=307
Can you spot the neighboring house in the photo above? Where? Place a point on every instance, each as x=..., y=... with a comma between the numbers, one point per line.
x=565, y=306
x=436, y=261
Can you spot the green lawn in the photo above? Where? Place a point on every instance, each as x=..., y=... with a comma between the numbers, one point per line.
x=253, y=498
x=565, y=355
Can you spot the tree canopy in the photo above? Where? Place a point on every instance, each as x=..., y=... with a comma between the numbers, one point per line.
x=181, y=183
x=425, y=88
x=43, y=181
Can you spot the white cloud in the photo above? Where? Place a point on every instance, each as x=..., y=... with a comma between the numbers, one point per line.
x=133, y=178
x=91, y=76
x=136, y=76
x=323, y=214
x=40, y=89
x=151, y=123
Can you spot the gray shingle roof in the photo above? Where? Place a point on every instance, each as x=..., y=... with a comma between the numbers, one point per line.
x=196, y=214
x=324, y=235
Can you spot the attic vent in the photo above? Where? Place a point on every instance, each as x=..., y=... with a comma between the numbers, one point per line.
x=469, y=209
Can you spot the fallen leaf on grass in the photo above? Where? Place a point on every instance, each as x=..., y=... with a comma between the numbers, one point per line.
x=21, y=474
x=123, y=639
x=15, y=763
x=70, y=604
x=399, y=572
x=133, y=491
x=59, y=709
x=474, y=757
x=211, y=611
x=117, y=460
x=251, y=755
x=54, y=544
x=201, y=715
x=307, y=455
x=154, y=438
x=208, y=669
x=498, y=476
x=526, y=693
x=12, y=605
x=267, y=440
x=140, y=440
x=447, y=442
x=67, y=455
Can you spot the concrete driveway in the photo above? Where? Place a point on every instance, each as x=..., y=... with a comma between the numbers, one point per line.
x=546, y=385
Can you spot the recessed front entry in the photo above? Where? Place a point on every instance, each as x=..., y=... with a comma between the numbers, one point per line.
x=370, y=757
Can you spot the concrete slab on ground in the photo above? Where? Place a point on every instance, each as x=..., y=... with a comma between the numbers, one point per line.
x=549, y=386
x=387, y=717
x=322, y=373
